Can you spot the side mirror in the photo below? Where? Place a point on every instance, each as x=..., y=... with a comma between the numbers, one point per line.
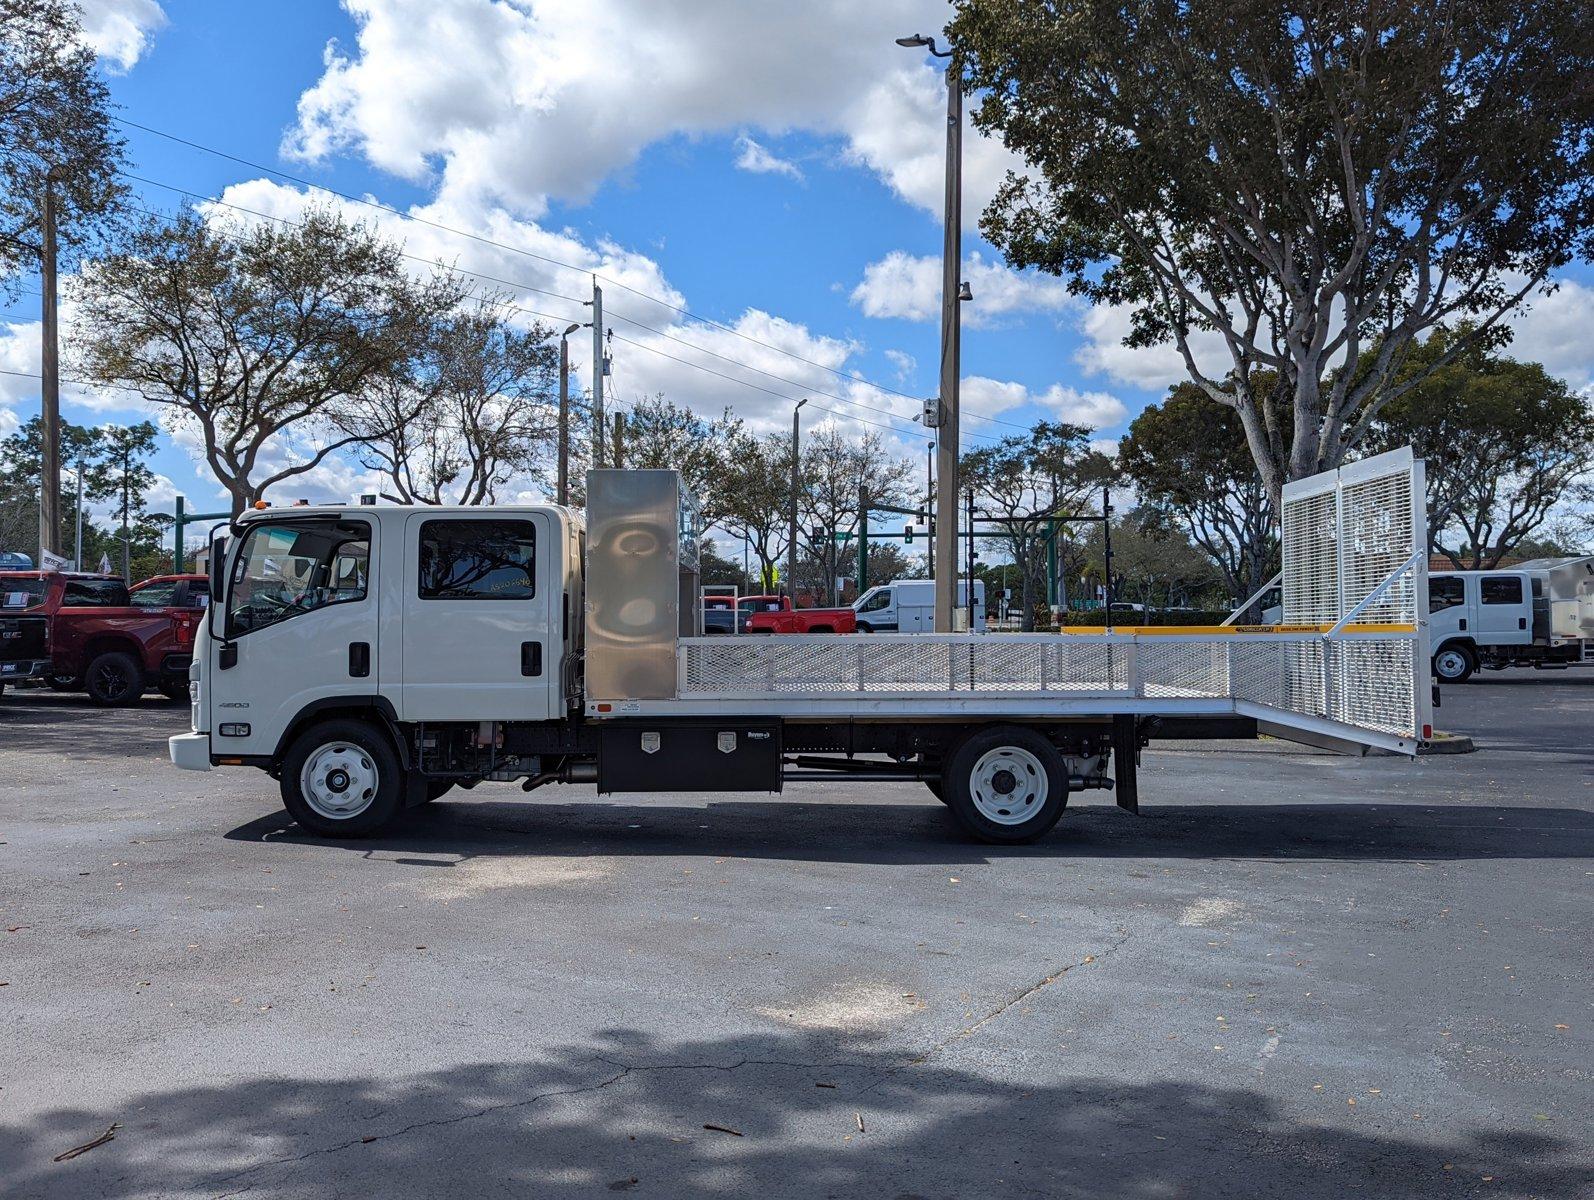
x=217, y=609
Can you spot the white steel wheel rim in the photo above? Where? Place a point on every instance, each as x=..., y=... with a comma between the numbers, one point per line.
x=1451, y=663
x=339, y=781
x=1008, y=785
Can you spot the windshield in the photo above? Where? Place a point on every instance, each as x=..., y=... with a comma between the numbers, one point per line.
x=286, y=570
x=873, y=600
x=22, y=591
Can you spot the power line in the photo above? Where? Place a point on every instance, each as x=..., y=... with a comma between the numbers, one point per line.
x=487, y=241
x=576, y=300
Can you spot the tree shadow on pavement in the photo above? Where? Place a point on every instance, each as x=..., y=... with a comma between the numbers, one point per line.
x=627, y=1115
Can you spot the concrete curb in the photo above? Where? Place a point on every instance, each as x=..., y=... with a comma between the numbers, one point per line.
x=1448, y=743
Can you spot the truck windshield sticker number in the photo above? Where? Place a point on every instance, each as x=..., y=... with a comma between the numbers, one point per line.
x=287, y=570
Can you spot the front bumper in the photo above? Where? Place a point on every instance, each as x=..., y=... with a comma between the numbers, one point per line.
x=190, y=751
x=24, y=668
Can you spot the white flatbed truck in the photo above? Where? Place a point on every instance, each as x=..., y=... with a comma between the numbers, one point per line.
x=372, y=658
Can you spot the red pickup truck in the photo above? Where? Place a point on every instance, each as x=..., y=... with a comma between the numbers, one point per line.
x=100, y=638
x=776, y=615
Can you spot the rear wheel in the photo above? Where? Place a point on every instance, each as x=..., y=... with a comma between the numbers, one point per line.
x=1454, y=664
x=114, y=679
x=342, y=779
x=1006, y=784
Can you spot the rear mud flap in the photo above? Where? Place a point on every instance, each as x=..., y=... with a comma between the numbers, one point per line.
x=1125, y=764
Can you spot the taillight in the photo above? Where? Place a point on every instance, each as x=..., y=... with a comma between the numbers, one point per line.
x=185, y=632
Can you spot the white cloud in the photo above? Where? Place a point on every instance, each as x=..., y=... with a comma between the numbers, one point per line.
x=909, y=287
x=514, y=104
x=119, y=30
x=980, y=396
x=1156, y=367
x=903, y=363
x=760, y=161
x=1554, y=330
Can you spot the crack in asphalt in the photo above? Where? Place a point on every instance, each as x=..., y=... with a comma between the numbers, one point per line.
x=969, y=1031
x=622, y=1071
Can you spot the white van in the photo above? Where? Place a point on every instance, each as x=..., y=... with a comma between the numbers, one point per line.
x=1531, y=615
x=908, y=606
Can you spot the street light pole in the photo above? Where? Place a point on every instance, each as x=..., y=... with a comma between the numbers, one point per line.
x=564, y=414
x=952, y=292
x=791, y=547
x=49, y=389
x=929, y=507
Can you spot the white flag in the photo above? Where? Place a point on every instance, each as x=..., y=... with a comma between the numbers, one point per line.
x=105, y=564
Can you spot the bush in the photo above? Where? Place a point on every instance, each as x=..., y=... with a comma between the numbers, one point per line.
x=1098, y=617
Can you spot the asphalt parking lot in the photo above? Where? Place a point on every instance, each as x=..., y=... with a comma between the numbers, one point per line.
x=1295, y=975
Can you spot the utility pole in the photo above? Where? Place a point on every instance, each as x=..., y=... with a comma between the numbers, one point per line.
x=597, y=374
x=929, y=507
x=619, y=440
x=952, y=293
x=791, y=547
x=77, y=550
x=1106, y=547
x=863, y=539
x=564, y=414
x=50, y=390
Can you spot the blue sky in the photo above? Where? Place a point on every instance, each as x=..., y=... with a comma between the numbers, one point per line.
x=777, y=172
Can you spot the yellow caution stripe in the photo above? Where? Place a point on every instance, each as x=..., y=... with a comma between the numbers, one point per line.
x=1205, y=630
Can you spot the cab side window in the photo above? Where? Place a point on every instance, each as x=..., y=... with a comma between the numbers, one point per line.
x=878, y=601
x=478, y=560
x=1445, y=591
x=1507, y=590
x=287, y=570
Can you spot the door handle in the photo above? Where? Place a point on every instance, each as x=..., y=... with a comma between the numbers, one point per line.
x=1463, y=624
x=1522, y=622
x=531, y=658
x=359, y=659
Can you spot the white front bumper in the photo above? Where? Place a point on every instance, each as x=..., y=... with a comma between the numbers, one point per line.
x=190, y=751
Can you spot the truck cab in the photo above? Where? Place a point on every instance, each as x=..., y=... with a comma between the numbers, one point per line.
x=1479, y=618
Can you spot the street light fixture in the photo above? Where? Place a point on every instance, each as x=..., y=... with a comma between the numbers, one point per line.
x=952, y=291
x=564, y=413
x=791, y=547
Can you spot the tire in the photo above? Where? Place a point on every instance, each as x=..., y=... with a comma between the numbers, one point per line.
x=114, y=680
x=865, y=627
x=1454, y=664
x=1006, y=784
x=341, y=779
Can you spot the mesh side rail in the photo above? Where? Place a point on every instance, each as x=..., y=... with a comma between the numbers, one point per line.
x=1365, y=681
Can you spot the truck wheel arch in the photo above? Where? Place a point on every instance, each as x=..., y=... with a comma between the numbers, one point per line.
x=373, y=710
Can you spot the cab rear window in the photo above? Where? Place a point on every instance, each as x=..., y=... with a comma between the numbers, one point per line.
x=21, y=593
x=95, y=593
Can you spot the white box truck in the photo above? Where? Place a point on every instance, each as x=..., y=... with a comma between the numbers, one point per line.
x=1536, y=614
x=372, y=658
x=908, y=606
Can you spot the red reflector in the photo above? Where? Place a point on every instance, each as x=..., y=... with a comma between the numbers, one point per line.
x=1427, y=733
x=605, y=707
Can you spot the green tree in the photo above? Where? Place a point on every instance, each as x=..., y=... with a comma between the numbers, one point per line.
x=757, y=498
x=468, y=412
x=1299, y=183
x=1503, y=442
x=55, y=123
x=1188, y=459
x=20, y=456
x=260, y=337
x=837, y=469
x=125, y=451
x=660, y=434
x=1023, y=482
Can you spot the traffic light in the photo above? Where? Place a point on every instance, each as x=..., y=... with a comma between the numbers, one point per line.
x=907, y=534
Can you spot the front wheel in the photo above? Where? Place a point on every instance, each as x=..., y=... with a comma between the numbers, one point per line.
x=114, y=679
x=342, y=779
x=1006, y=784
x=1454, y=664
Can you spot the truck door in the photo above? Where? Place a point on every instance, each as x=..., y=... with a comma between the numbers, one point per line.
x=480, y=639
x=1447, y=608
x=1505, y=611
x=299, y=618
